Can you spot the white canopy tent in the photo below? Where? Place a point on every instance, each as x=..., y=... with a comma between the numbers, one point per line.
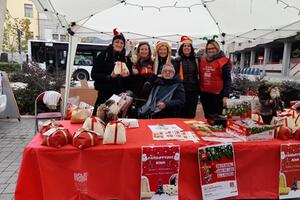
x=256, y=21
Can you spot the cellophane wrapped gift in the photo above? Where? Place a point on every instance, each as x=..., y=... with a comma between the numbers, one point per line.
x=85, y=138
x=79, y=115
x=94, y=124
x=71, y=105
x=120, y=67
x=115, y=133
x=47, y=125
x=56, y=137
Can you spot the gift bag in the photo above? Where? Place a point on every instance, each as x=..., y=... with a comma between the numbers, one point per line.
x=85, y=138
x=79, y=116
x=56, y=137
x=94, y=124
x=146, y=70
x=115, y=133
x=120, y=67
x=47, y=125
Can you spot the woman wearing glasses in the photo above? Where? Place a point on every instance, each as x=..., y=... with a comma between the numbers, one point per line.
x=215, y=79
x=167, y=95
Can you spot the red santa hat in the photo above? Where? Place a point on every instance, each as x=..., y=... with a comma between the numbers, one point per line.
x=118, y=36
x=186, y=40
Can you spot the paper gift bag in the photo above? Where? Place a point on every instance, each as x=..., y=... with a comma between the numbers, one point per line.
x=146, y=70
x=115, y=133
x=56, y=137
x=120, y=67
x=47, y=125
x=94, y=124
x=79, y=116
x=85, y=138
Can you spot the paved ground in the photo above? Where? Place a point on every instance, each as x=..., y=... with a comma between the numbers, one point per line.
x=14, y=136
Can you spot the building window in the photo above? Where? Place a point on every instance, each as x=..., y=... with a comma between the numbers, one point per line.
x=28, y=10
x=63, y=38
x=55, y=36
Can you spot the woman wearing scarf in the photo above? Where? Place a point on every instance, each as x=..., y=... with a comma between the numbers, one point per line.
x=215, y=79
x=188, y=73
x=142, y=68
x=108, y=79
x=162, y=56
x=166, y=97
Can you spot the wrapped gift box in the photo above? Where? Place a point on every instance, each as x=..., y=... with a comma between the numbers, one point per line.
x=250, y=132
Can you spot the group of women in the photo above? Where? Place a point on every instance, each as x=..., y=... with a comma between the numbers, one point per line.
x=171, y=86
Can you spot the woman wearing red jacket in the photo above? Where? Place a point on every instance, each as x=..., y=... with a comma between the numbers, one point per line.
x=215, y=79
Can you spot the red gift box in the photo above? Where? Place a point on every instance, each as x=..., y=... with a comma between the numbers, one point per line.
x=244, y=133
x=85, y=138
x=56, y=137
x=48, y=125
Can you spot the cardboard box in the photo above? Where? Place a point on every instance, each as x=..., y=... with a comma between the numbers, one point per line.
x=87, y=95
x=244, y=132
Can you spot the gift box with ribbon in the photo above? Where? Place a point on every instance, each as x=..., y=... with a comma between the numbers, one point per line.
x=56, y=137
x=120, y=67
x=79, y=115
x=85, y=138
x=115, y=133
x=47, y=125
x=94, y=124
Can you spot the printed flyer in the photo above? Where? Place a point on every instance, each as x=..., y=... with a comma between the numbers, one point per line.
x=159, y=173
x=289, y=177
x=217, y=171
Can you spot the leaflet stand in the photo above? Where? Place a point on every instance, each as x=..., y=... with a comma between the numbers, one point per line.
x=11, y=110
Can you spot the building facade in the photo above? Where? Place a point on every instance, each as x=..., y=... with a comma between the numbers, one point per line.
x=280, y=57
x=2, y=19
x=25, y=9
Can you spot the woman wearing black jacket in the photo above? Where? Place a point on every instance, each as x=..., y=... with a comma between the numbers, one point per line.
x=188, y=72
x=107, y=82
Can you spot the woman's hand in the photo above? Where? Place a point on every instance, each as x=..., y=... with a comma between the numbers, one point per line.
x=124, y=73
x=135, y=71
x=161, y=105
x=113, y=75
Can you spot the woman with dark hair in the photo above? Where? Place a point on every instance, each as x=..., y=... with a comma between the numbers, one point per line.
x=188, y=73
x=215, y=79
x=142, y=68
x=108, y=78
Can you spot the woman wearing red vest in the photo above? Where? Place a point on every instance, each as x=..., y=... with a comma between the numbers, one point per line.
x=215, y=79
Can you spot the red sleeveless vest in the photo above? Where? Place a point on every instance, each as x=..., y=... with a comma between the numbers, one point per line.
x=211, y=78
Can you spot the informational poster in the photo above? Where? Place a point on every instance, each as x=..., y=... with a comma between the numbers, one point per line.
x=289, y=176
x=217, y=171
x=159, y=173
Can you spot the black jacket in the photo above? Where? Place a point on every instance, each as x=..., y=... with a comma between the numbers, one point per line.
x=102, y=69
x=174, y=105
x=190, y=73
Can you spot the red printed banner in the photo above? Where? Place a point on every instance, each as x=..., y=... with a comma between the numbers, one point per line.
x=217, y=171
x=160, y=167
x=289, y=177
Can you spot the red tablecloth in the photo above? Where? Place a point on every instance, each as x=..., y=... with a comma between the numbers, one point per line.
x=114, y=170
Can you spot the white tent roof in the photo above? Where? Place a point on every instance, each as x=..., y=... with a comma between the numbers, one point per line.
x=190, y=17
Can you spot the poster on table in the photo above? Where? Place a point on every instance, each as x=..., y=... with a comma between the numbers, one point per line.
x=159, y=172
x=289, y=177
x=217, y=171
